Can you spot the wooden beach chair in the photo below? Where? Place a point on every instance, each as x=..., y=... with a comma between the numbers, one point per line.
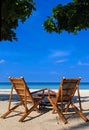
x=25, y=96
x=64, y=98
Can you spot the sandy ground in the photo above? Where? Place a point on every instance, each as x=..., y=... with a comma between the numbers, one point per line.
x=44, y=120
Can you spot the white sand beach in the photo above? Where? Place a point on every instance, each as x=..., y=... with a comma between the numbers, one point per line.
x=44, y=120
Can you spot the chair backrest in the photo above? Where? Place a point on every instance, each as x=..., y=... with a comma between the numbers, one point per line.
x=67, y=89
x=21, y=89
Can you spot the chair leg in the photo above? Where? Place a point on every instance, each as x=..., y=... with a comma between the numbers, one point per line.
x=79, y=99
x=10, y=110
x=37, y=110
x=5, y=114
x=62, y=117
x=79, y=112
x=53, y=111
x=53, y=104
x=29, y=111
x=55, y=108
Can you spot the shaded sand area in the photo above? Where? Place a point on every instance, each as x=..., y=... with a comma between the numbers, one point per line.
x=44, y=120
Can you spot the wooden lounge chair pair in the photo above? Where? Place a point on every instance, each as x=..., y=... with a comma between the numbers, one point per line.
x=64, y=96
x=25, y=96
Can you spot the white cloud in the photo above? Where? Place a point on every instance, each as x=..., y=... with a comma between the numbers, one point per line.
x=58, y=53
x=79, y=63
x=54, y=73
x=83, y=64
x=61, y=61
x=2, y=61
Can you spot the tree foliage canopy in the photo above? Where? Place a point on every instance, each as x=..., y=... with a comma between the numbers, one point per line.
x=71, y=17
x=11, y=12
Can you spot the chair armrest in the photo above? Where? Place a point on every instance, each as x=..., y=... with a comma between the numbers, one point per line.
x=41, y=90
x=40, y=93
x=51, y=93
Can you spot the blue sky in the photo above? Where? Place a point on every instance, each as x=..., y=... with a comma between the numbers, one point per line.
x=43, y=57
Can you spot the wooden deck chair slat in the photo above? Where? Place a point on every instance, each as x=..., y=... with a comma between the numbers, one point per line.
x=25, y=96
x=65, y=94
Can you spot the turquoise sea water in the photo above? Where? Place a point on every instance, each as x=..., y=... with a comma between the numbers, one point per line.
x=42, y=85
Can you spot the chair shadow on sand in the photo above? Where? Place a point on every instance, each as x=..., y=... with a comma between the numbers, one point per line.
x=83, y=100
x=45, y=106
x=43, y=109
x=80, y=125
x=5, y=97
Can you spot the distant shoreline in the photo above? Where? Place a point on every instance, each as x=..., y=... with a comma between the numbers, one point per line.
x=31, y=90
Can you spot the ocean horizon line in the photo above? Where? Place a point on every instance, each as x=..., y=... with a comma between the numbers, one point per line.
x=41, y=85
x=45, y=82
